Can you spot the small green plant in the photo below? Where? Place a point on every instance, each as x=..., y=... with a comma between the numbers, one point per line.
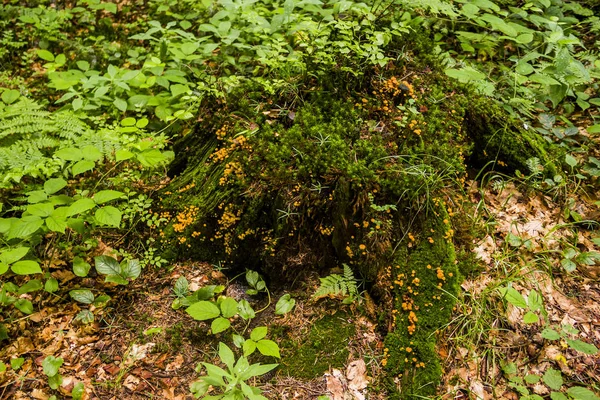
x=118, y=273
x=85, y=296
x=534, y=303
x=51, y=366
x=339, y=286
x=219, y=311
x=231, y=383
x=257, y=341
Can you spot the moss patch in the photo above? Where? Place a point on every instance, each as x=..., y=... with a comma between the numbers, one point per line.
x=324, y=346
x=426, y=283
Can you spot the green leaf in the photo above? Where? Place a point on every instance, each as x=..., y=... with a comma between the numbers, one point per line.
x=92, y=153
x=16, y=363
x=203, y=310
x=284, y=305
x=85, y=317
x=530, y=318
x=252, y=277
x=122, y=155
x=219, y=325
x=189, y=48
x=268, y=348
x=118, y=279
x=581, y=393
x=588, y=258
x=108, y=215
x=249, y=347
x=101, y=300
x=258, y=333
x=570, y=160
x=107, y=265
x=531, y=379
x=54, y=185
x=105, y=196
x=226, y=355
x=40, y=209
x=82, y=166
x=245, y=309
x=55, y=381
x=10, y=96
x=513, y=297
x=11, y=256
x=24, y=306
x=56, y=224
x=31, y=286
x=51, y=285
x=45, y=55
x=553, y=379
x=2, y=365
x=25, y=227
x=120, y=104
x=83, y=65
x=181, y=287
x=524, y=38
x=69, y=154
x=257, y=370
x=535, y=301
x=228, y=307
x=558, y=396
x=84, y=296
x=550, y=334
x=77, y=104
x=131, y=269
x=152, y=331
x=465, y=75
x=80, y=267
x=27, y=267
x=51, y=365
x=568, y=265
x=142, y=123
x=60, y=60
x=3, y=268
x=151, y=158
x=78, y=391
x=80, y=206
x=583, y=347
x=594, y=128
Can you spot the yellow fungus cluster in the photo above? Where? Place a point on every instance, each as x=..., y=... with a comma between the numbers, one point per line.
x=231, y=168
x=238, y=143
x=186, y=187
x=326, y=230
x=185, y=218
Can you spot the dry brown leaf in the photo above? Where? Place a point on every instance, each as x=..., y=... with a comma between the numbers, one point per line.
x=356, y=373
x=39, y=394
x=336, y=385
x=175, y=364
x=131, y=382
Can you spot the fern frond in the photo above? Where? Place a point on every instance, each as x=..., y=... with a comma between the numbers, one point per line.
x=337, y=286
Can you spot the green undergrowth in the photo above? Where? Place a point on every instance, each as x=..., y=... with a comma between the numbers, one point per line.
x=323, y=346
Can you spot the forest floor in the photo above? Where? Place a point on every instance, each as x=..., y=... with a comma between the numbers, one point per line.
x=142, y=348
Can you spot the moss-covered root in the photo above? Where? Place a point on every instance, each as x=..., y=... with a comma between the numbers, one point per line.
x=426, y=283
x=504, y=142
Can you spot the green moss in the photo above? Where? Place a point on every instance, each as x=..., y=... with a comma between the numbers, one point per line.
x=325, y=345
x=426, y=282
x=503, y=142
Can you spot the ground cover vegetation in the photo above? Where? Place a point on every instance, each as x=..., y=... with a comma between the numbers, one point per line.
x=299, y=199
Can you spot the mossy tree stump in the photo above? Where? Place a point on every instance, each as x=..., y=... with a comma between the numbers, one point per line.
x=358, y=178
